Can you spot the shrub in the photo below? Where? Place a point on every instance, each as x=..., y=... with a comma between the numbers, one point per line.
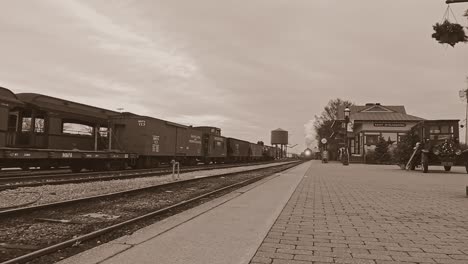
x=405, y=148
x=382, y=156
x=370, y=157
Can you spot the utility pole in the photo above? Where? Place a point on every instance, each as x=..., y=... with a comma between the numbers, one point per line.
x=466, y=120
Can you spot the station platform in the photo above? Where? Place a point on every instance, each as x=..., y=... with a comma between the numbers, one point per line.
x=228, y=229
x=311, y=214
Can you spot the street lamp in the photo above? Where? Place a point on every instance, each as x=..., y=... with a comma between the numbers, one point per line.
x=345, y=154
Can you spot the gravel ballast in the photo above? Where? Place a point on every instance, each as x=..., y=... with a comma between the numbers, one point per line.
x=30, y=196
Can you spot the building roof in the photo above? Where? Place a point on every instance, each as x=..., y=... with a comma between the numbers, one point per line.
x=378, y=112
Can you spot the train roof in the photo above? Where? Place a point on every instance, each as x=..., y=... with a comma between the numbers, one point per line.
x=7, y=96
x=136, y=116
x=49, y=103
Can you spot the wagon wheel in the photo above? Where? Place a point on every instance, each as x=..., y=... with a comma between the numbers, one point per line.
x=447, y=168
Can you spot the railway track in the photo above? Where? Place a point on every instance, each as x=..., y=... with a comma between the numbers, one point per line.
x=13, y=182
x=32, y=232
x=19, y=173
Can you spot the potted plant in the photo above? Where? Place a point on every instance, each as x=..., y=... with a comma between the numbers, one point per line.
x=449, y=33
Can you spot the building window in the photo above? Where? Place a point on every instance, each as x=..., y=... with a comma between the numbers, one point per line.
x=357, y=149
x=445, y=129
x=392, y=136
x=401, y=137
x=372, y=139
x=434, y=130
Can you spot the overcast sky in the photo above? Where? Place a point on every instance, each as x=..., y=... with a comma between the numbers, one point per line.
x=245, y=66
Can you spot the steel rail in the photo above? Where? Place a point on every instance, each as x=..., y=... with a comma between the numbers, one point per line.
x=106, y=176
x=10, y=212
x=44, y=251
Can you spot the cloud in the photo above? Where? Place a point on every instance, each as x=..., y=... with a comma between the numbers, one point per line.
x=161, y=54
x=201, y=120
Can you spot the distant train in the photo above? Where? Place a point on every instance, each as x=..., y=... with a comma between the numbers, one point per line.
x=308, y=154
x=42, y=131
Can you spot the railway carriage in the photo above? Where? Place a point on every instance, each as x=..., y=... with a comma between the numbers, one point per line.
x=44, y=131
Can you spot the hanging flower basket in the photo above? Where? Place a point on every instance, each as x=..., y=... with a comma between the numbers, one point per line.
x=449, y=33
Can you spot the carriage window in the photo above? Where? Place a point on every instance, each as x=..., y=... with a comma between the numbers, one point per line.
x=103, y=131
x=26, y=124
x=39, y=125
x=77, y=129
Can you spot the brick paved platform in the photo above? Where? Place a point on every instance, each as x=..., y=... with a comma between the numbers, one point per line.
x=371, y=214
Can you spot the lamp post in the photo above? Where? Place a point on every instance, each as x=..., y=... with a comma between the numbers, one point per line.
x=345, y=154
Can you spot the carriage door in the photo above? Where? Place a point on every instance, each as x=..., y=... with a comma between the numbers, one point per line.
x=12, y=128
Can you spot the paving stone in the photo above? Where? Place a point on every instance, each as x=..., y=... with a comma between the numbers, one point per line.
x=313, y=258
x=373, y=214
x=274, y=255
x=283, y=261
x=263, y=260
x=354, y=261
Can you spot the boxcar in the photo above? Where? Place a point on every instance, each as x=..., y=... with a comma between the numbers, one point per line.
x=237, y=150
x=256, y=151
x=214, y=145
x=157, y=141
x=269, y=153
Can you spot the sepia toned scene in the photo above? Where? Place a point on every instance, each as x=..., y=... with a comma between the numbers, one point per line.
x=244, y=132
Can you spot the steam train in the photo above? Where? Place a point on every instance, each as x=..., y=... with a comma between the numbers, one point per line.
x=42, y=131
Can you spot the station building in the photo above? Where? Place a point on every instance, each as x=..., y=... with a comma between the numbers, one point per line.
x=368, y=123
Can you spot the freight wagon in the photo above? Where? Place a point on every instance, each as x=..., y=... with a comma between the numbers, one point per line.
x=256, y=152
x=214, y=145
x=157, y=141
x=237, y=150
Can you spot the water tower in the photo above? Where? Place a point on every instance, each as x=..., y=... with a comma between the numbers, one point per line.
x=279, y=137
